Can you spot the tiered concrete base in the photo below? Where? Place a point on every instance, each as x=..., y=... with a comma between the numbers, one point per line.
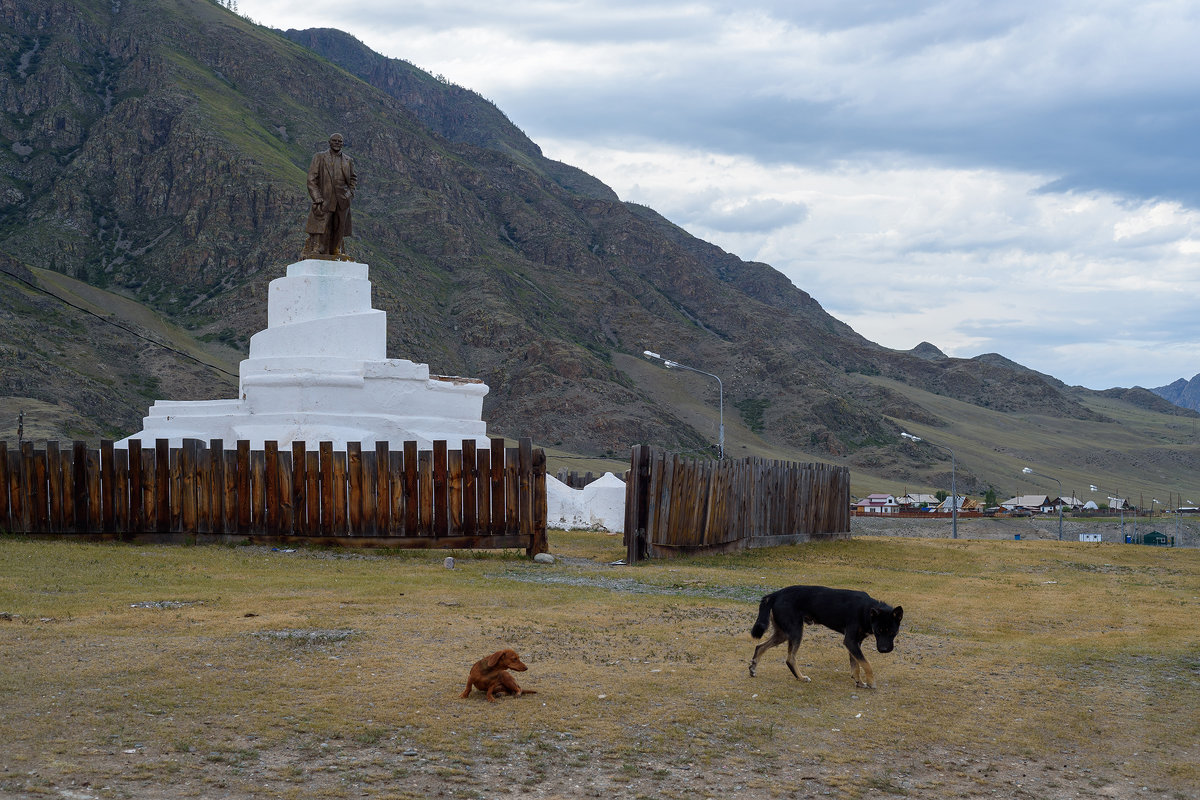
x=319, y=372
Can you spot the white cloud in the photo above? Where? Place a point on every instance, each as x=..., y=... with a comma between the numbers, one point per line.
x=1018, y=177
x=972, y=260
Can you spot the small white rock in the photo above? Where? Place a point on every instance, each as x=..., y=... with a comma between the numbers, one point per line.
x=543, y=558
x=449, y=562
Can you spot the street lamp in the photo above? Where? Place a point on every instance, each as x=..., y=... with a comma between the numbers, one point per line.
x=1028, y=471
x=1114, y=500
x=669, y=364
x=953, y=484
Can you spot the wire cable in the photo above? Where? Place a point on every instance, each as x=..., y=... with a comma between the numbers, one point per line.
x=110, y=321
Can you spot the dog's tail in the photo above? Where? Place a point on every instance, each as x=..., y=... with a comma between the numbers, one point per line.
x=764, y=616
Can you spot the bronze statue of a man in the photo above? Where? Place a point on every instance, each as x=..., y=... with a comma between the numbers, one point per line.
x=331, y=182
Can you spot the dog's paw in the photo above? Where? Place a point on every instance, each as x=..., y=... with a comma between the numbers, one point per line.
x=861, y=685
x=752, y=666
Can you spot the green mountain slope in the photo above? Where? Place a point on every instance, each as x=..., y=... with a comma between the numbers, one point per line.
x=156, y=150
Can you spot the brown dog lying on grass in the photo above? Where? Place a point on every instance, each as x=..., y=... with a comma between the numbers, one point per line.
x=491, y=675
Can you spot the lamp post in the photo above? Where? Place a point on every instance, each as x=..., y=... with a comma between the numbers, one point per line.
x=669, y=364
x=1029, y=471
x=1095, y=488
x=953, y=484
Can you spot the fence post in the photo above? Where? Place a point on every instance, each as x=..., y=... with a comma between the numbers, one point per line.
x=539, y=542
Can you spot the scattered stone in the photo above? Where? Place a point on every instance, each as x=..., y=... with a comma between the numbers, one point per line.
x=543, y=558
x=449, y=562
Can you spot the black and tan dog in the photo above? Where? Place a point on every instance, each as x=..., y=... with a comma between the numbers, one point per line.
x=856, y=615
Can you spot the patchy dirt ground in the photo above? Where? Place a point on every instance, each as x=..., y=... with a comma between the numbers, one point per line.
x=238, y=673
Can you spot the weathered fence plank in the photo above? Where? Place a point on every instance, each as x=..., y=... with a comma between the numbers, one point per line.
x=468, y=497
x=678, y=504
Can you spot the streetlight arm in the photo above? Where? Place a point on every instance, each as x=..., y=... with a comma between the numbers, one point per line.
x=669, y=364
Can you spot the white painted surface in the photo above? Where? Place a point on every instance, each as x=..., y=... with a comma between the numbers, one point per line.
x=319, y=372
x=598, y=506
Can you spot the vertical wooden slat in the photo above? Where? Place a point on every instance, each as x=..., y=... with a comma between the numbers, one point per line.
x=354, y=475
x=15, y=491
x=216, y=485
x=539, y=542
x=370, y=485
x=341, y=494
x=39, y=496
x=5, y=502
x=245, y=500
x=425, y=493
x=162, y=480
x=454, y=492
x=300, y=489
x=204, y=488
x=512, y=491
x=137, y=503
x=107, y=484
x=411, y=498
x=287, y=513
x=271, y=453
x=79, y=500
x=53, y=487
x=525, y=489
x=121, y=492
x=396, y=470
x=187, y=485
x=67, y=469
x=95, y=518
x=27, y=493
x=149, y=491
x=497, y=487
x=329, y=490
x=312, y=492
x=483, y=490
x=258, y=490
x=440, y=522
x=470, y=492
x=229, y=490
x=383, y=489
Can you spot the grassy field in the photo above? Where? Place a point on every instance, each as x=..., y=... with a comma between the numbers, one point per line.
x=1023, y=669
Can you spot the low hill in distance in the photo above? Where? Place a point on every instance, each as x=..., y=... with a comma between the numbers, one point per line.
x=153, y=173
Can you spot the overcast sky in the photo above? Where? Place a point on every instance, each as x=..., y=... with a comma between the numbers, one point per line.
x=1015, y=177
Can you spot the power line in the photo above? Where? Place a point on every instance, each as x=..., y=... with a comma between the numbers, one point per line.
x=110, y=321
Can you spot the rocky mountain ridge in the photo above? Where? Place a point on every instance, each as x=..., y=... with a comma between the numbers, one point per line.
x=157, y=150
x=1183, y=392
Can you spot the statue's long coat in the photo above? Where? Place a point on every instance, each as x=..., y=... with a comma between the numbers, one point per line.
x=331, y=177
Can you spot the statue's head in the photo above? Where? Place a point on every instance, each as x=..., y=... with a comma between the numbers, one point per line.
x=335, y=142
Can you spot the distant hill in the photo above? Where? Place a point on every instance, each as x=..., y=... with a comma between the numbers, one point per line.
x=153, y=173
x=1183, y=393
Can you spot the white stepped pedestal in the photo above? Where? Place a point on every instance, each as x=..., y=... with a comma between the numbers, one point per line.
x=319, y=372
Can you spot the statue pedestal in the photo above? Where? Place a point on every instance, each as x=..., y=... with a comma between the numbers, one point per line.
x=319, y=372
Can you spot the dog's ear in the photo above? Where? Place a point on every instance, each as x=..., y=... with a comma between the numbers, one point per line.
x=898, y=613
x=495, y=659
x=872, y=614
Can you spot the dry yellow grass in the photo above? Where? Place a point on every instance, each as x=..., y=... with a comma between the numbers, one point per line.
x=1022, y=669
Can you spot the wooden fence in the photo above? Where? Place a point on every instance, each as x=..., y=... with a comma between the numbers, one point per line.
x=675, y=505
x=470, y=498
